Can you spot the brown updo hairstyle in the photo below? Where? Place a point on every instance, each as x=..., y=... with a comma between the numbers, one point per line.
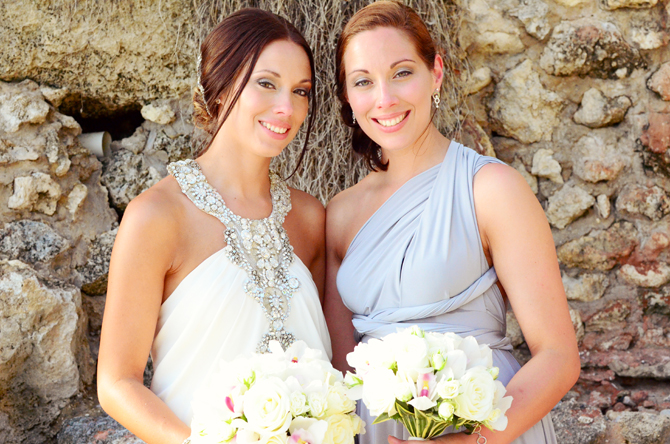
x=229, y=53
x=389, y=14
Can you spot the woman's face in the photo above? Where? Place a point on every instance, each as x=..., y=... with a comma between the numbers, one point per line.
x=274, y=103
x=389, y=86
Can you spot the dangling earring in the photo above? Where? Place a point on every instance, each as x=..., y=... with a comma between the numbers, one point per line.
x=353, y=116
x=436, y=98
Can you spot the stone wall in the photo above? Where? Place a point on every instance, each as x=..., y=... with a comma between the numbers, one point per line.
x=574, y=94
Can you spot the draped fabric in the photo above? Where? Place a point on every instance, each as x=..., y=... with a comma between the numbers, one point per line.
x=419, y=260
x=209, y=318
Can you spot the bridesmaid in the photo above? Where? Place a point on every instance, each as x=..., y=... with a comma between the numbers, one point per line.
x=202, y=269
x=437, y=234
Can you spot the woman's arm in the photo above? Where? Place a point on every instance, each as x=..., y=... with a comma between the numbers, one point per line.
x=517, y=236
x=143, y=254
x=338, y=316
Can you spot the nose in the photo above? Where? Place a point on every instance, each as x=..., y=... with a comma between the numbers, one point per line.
x=387, y=97
x=284, y=104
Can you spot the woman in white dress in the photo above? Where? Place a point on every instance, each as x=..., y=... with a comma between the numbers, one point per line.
x=202, y=268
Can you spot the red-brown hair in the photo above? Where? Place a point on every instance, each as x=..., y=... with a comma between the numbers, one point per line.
x=380, y=14
x=229, y=53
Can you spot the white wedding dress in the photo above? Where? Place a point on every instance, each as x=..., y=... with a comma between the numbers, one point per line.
x=210, y=317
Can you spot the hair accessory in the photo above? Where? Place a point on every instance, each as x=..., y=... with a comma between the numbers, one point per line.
x=202, y=90
x=436, y=98
x=481, y=439
x=353, y=116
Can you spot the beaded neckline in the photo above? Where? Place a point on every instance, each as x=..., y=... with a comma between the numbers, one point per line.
x=259, y=246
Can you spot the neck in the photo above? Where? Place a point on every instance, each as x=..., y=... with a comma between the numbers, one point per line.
x=427, y=151
x=235, y=173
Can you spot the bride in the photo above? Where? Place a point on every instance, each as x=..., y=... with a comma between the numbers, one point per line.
x=202, y=268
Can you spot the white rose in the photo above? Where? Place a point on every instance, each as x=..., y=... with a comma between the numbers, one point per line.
x=475, y=401
x=267, y=407
x=448, y=389
x=338, y=401
x=446, y=410
x=379, y=392
x=442, y=342
x=375, y=354
x=340, y=430
x=411, y=353
x=298, y=404
x=281, y=438
x=211, y=431
x=246, y=437
x=318, y=403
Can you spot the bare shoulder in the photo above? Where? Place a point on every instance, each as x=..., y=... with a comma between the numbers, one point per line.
x=498, y=185
x=340, y=215
x=307, y=207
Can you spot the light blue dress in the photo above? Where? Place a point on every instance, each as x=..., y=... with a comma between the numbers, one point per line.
x=419, y=260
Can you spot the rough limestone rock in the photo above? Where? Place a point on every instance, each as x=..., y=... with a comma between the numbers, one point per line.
x=646, y=275
x=600, y=249
x=38, y=192
x=586, y=287
x=126, y=175
x=648, y=30
x=594, y=160
x=544, y=165
x=597, y=111
x=641, y=363
x=616, y=4
x=577, y=423
x=94, y=272
x=587, y=47
x=529, y=178
x=41, y=335
x=161, y=114
x=522, y=108
x=110, y=56
x=652, y=202
x=76, y=198
x=638, y=428
x=31, y=241
x=567, y=204
x=571, y=3
x=656, y=301
x=603, y=205
x=533, y=15
x=487, y=31
x=478, y=80
x=659, y=82
x=577, y=324
x=656, y=138
x=98, y=430
x=28, y=106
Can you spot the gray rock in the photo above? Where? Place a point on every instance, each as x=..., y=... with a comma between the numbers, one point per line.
x=522, y=108
x=26, y=106
x=577, y=423
x=94, y=272
x=604, y=206
x=597, y=111
x=127, y=174
x=653, y=202
x=638, y=428
x=533, y=15
x=567, y=204
x=98, y=430
x=586, y=287
x=587, y=47
x=31, y=241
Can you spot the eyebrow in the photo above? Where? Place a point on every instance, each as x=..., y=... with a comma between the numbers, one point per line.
x=276, y=74
x=393, y=65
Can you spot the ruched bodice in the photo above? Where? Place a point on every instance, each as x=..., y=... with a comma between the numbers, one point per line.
x=419, y=260
x=210, y=317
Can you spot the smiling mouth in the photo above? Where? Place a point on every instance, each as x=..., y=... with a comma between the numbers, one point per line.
x=274, y=129
x=392, y=122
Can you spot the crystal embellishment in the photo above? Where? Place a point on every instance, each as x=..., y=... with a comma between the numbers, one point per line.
x=258, y=246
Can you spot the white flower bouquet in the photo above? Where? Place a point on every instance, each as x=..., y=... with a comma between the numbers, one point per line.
x=428, y=382
x=283, y=397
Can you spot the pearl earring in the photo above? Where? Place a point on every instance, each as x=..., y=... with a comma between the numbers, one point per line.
x=436, y=98
x=353, y=117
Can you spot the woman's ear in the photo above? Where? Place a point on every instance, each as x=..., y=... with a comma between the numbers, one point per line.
x=438, y=71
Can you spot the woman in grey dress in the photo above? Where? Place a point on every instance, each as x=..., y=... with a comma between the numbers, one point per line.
x=436, y=234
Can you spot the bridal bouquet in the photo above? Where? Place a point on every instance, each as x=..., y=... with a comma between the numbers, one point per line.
x=429, y=381
x=283, y=397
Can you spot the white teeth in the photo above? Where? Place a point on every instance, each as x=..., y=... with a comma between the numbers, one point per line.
x=392, y=122
x=274, y=129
